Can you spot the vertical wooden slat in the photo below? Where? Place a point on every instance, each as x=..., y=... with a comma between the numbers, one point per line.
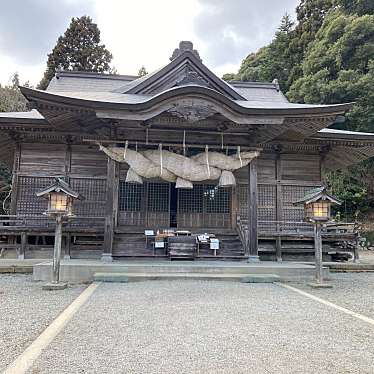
x=252, y=211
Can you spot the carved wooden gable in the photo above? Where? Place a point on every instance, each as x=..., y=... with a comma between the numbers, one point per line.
x=186, y=68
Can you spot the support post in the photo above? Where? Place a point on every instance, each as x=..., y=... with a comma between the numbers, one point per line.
x=57, y=250
x=21, y=254
x=252, y=244
x=109, y=216
x=67, y=246
x=318, y=252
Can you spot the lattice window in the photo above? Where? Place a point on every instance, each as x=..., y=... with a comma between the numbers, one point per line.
x=94, y=193
x=130, y=197
x=218, y=200
x=191, y=201
x=158, y=197
x=267, y=200
x=289, y=195
x=27, y=201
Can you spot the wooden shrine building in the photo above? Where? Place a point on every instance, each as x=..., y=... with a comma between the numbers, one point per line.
x=145, y=153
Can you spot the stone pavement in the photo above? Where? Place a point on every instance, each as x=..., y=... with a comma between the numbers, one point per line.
x=213, y=327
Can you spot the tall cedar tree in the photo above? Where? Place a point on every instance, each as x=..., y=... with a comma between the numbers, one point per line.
x=78, y=49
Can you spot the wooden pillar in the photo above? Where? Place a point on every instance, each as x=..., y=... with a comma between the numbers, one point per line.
x=109, y=211
x=252, y=244
x=67, y=246
x=23, y=248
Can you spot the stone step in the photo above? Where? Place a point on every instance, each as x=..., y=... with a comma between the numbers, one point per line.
x=138, y=277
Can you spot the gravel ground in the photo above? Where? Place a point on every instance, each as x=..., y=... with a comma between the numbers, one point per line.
x=208, y=327
x=354, y=291
x=26, y=310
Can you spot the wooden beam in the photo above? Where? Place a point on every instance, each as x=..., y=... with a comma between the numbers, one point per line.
x=109, y=213
x=252, y=244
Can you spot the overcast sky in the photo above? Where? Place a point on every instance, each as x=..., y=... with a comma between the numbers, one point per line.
x=139, y=32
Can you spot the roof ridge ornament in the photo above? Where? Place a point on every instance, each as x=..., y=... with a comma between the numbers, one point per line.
x=184, y=46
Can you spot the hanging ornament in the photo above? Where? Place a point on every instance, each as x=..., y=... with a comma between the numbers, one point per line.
x=124, y=152
x=207, y=159
x=160, y=149
x=184, y=143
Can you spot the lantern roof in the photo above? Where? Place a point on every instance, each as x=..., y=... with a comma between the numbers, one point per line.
x=317, y=194
x=59, y=186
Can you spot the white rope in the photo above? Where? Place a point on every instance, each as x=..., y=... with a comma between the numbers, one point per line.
x=136, y=146
x=5, y=200
x=207, y=159
x=184, y=142
x=240, y=157
x=146, y=135
x=222, y=140
x=160, y=148
x=126, y=146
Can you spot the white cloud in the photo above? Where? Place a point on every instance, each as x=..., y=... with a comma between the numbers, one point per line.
x=145, y=32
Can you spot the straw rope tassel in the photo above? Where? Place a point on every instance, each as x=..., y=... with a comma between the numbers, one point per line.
x=184, y=142
x=126, y=146
x=160, y=148
x=240, y=157
x=207, y=159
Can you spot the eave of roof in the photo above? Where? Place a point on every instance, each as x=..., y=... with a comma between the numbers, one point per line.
x=343, y=134
x=31, y=117
x=141, y=102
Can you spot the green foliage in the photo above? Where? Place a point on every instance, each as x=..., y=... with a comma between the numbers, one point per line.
x=142, y=71
x=328, y=57
x=11, y=99
x=273, y=61
x=229, y=77
x=359, y=7
x=78, y=49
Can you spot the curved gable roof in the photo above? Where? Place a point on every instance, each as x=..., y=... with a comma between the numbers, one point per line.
x=184, y=70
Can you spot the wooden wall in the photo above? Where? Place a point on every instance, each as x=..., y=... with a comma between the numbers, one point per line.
x=282, y=179
x=83, y=166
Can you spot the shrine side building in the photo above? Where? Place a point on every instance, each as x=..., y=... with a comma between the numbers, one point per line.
x=79, y=128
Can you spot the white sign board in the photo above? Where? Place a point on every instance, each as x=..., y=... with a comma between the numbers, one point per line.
x=214, y=244
x=159, y=244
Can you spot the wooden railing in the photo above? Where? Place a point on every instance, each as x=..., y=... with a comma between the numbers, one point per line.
x=45, y=222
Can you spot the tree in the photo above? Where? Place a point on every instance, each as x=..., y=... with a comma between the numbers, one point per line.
x=78, y=49
x=229, y=77
x=11, y=99
x=339, y=67
x=272, y=61
x=142, y=71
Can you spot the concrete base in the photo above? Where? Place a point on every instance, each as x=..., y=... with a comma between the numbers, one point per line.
x=320, y=285
x=77, y=271
x=106, y=257
x=54, y=286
